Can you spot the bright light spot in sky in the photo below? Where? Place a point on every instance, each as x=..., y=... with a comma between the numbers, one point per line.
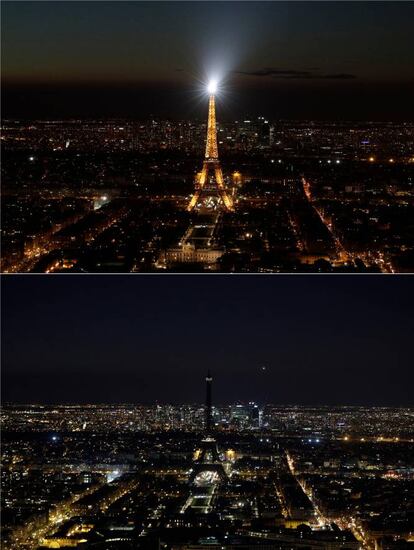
x=212, y=87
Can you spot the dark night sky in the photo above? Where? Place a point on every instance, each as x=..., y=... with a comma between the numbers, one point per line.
x=323, y=339
x=283, y=59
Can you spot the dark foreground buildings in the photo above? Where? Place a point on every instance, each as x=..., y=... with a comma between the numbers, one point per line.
x=192, y=477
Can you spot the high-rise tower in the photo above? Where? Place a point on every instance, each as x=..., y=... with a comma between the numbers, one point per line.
x=209, y=381
x=208, y=464
x=211, y=161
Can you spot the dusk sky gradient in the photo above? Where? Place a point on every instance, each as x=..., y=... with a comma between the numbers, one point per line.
x=326, y=59
x=323, y=339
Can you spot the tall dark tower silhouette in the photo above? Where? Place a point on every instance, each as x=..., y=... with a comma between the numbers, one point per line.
x=207, y=462
x=208, y=413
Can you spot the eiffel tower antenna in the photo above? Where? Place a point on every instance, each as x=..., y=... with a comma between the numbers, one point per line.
x=211, y=160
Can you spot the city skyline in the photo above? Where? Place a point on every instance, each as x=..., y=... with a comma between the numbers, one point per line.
x=187, y=188
x=108, y=340
x=137, y=58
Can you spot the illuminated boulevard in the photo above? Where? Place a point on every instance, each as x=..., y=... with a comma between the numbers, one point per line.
x=344, y=255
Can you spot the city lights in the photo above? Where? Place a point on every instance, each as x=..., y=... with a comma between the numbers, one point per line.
x=72, y=221
x=178, y=410
x=278, y=476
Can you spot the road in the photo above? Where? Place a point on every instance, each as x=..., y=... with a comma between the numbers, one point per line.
x=343, y=523
x=344, y=255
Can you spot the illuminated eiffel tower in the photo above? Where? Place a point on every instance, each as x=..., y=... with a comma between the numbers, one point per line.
x=211, y=161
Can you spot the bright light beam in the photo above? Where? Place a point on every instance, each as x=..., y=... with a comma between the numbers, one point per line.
x=212, y=87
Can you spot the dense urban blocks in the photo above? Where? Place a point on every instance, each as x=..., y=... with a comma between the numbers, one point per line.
x=261, y=476
x=112, y=196
x=142, y=140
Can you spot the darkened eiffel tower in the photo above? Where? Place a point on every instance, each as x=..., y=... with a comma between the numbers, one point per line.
x=208, y=412
x=207, y=455
x=211, y=161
